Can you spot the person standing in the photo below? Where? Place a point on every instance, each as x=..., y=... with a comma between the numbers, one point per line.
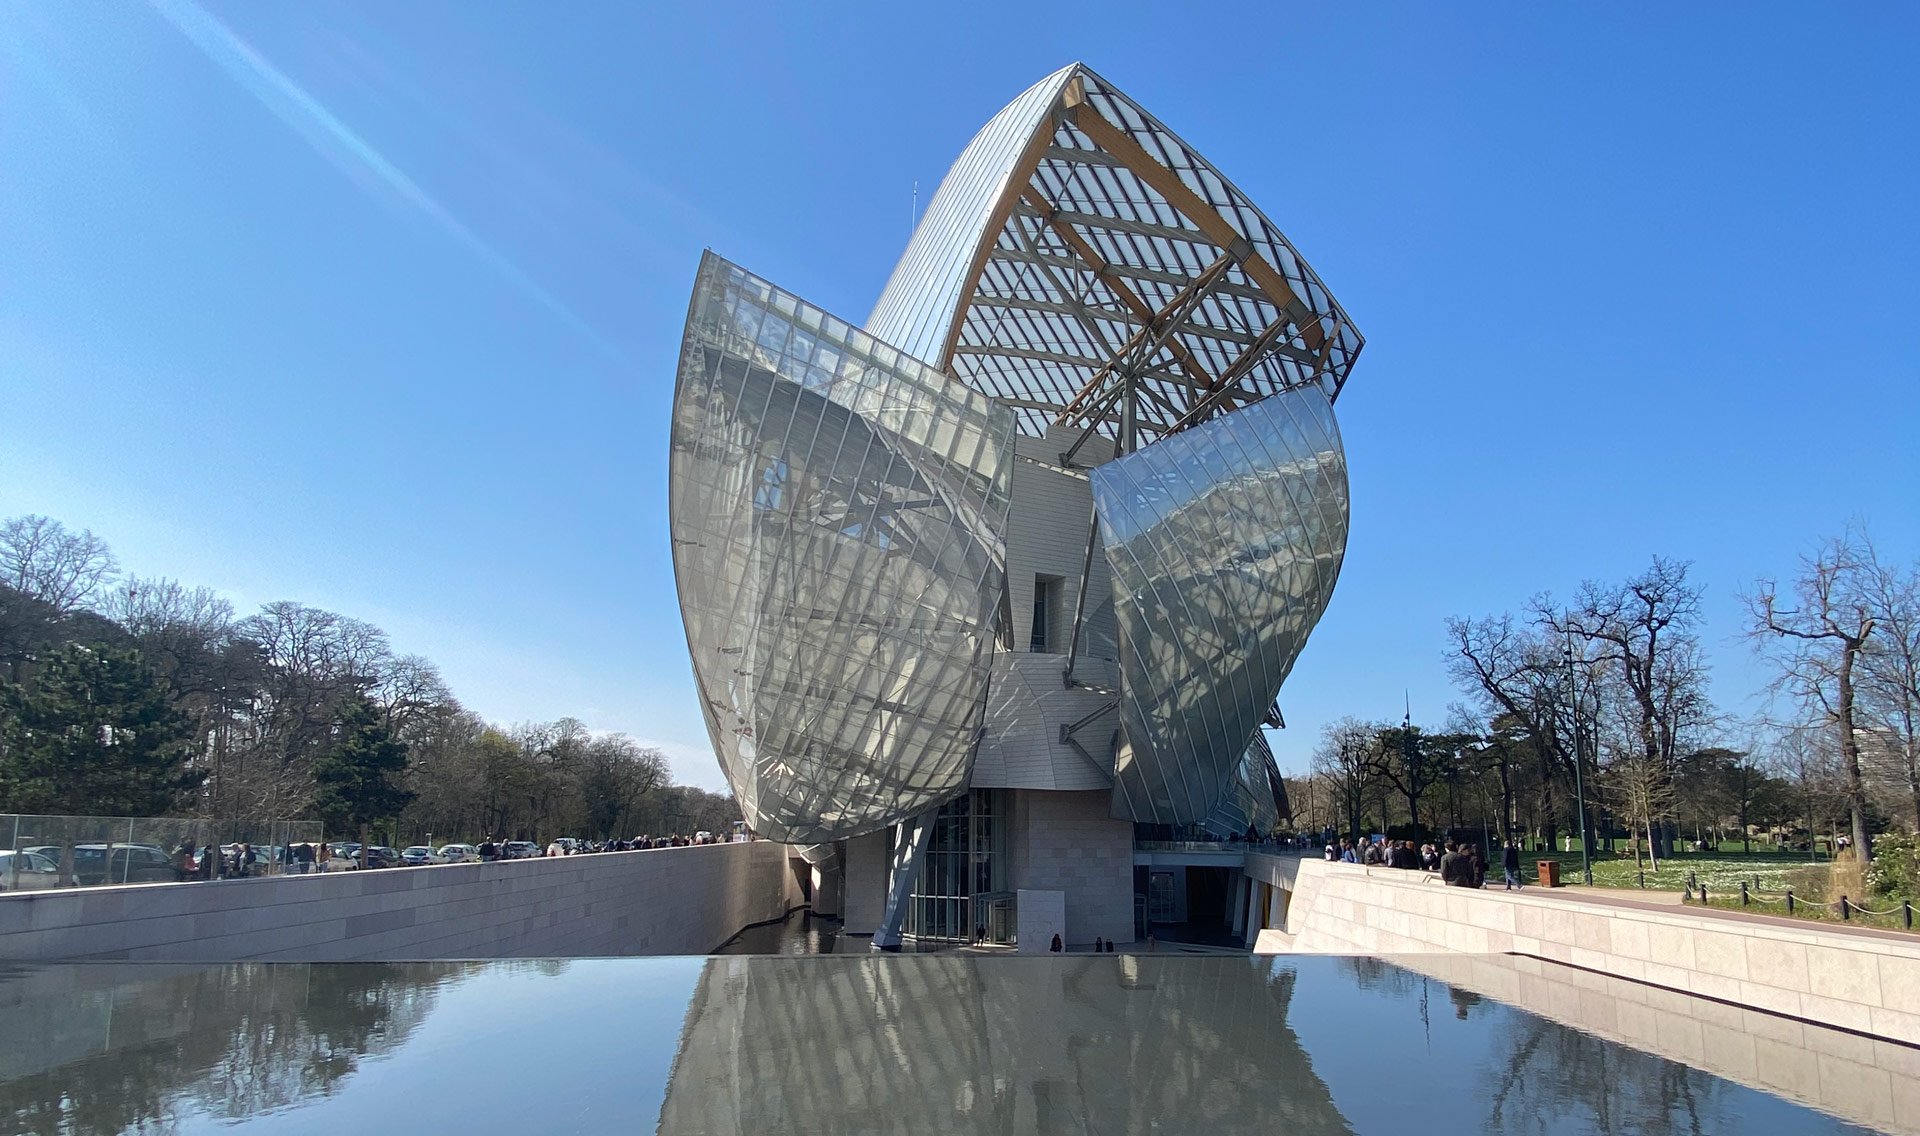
x=1510, y=864
x=1056, y=948
x=1453, y=867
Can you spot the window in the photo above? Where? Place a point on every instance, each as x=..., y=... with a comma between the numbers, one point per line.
x=1046, y=597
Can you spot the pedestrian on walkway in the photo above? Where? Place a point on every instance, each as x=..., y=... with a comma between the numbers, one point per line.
x=1510, y=864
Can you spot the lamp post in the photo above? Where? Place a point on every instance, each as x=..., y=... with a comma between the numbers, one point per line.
x=1579, y=778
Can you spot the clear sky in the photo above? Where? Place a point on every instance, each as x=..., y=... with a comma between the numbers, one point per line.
x=376, y=306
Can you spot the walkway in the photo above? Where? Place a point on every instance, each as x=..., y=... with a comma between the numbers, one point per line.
x=1673, y=900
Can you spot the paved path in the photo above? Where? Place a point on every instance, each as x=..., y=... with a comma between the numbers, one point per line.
x=1669, y=900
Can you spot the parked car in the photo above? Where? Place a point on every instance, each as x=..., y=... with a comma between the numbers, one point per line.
x=521, y=849
x=417, y=856
x=343, y=856
x=35, y=871
x=458, y=854
x=381, y=856
x=124, y=864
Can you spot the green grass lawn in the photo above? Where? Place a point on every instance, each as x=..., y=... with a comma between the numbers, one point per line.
x=1771, y=872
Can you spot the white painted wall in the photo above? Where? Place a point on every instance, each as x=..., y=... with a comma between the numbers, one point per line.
x=656, y=902
x=1854, y=980
x=1038, y=917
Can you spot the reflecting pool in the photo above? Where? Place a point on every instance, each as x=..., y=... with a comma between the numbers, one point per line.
x=864, y=1044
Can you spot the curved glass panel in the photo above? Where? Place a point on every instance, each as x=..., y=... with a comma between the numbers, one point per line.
x=839, y=517
x=1077, y=237
x=917, y=305
x=1256, y=797
x=1224, y=542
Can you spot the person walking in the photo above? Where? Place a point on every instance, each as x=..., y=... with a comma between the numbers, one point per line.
x=1510, y=864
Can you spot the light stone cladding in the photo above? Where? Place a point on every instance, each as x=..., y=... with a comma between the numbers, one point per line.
x=865, y=890
x=1070, y=842
x=1028, y=701
x=1853, y=980
x=658, y=902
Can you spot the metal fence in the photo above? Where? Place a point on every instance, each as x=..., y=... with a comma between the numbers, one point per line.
x=66, y=851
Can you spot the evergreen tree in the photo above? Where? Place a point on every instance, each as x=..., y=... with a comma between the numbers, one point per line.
x=94, y=732
x=357, y=777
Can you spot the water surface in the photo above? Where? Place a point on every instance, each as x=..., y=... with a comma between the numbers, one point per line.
x=829, y=1044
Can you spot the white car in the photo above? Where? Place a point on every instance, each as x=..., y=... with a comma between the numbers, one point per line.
x=35, y=870
x=458, y=854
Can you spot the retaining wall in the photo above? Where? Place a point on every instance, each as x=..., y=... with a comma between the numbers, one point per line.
x=655, y=902
x=1860, y=981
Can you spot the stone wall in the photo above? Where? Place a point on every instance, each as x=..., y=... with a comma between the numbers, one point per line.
x=1070, y=842
x=657, y=902
x=1863, y=981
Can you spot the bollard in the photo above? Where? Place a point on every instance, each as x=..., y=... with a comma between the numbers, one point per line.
x=1743, y=893
x=1693, y=881
x=1906, y=914
x=1643, y=879
x=1789, y=901
x=1703, y=893
x=1845, y=911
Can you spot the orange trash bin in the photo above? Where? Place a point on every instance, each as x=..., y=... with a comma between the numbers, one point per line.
x=1548, y=871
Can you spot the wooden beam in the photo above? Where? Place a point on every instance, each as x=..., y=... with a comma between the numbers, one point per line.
x=1143, y=166
x=1160, y=330
x=1101, y=270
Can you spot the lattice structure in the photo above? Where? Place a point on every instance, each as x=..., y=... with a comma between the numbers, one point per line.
x=839, y=515
x=1082, y=261
x=1224, y=542
x=840, y=498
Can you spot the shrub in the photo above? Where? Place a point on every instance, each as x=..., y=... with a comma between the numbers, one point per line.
x=1895, y=871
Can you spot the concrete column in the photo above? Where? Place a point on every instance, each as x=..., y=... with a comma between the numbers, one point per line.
x=1239, y=903
x=1256, y=907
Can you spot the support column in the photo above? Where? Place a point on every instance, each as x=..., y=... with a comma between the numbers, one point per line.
x=1256, y=909
x=909, y=848
x=1241, y=887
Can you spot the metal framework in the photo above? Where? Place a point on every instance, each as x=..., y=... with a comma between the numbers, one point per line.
x=1081, y=269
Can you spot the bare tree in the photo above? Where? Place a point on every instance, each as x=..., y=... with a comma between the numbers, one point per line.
x=1344, y=760
x=1517, y=676
x=1816, y=640
x=42, y=558
x=1890, y=687
x=1642, y=630
x=1642, y=789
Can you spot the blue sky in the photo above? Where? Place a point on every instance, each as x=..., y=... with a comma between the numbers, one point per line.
x=376, y=306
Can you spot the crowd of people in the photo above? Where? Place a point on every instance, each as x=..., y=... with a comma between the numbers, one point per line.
x=1458, y=863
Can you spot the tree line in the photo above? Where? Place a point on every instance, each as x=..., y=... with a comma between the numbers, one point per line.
x=1604, y=698
x=123, y=695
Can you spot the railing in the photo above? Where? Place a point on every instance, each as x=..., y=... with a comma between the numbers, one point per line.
x=42, y=852
x=1271, y=849
x=1845, y=907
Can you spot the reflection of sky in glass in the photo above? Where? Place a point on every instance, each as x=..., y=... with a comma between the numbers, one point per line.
x=1224, y=541
x=1309, y=1046
x=838, y=514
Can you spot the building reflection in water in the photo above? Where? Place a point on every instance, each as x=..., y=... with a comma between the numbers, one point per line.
x=836, y=1044
x=953, y=1043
